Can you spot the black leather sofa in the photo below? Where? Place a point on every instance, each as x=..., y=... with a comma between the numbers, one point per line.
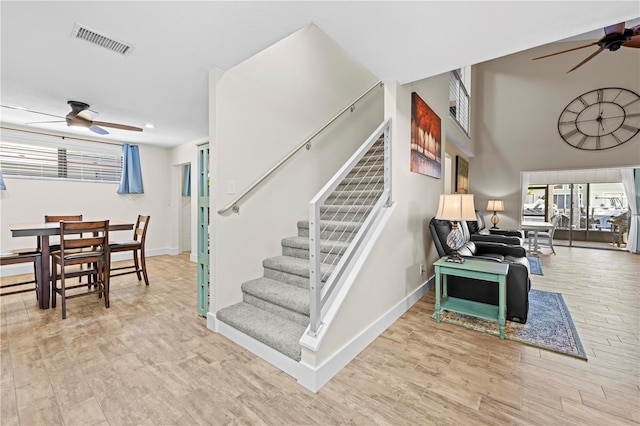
x=518, y=280
x=479, y=232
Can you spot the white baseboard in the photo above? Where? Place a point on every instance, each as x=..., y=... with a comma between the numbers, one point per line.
x=254, y=346
x=314, y=378
x=27, y=268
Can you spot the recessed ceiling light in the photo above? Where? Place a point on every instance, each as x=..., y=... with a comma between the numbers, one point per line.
x=150, y=126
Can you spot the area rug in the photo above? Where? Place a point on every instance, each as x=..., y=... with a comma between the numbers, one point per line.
x=534, y=265
x=549, y=325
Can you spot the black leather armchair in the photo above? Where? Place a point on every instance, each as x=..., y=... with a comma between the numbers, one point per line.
x=479, y=232
x=518, y=281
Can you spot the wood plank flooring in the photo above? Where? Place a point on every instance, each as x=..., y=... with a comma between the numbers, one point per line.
x=150, y=360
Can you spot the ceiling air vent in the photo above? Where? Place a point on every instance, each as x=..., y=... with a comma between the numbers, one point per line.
x=101, y=40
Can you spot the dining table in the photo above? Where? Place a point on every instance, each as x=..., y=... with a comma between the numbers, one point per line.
x=42, y=231
x=535, y=227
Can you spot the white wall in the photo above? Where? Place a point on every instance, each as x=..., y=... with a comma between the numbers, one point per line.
x=259, y=111
x=392, y=271
x=516, y=105
x=29, y=200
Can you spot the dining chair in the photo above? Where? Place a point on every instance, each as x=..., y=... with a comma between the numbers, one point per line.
x=83, y=244
x=137, y=247
x=545, y=238
x=16, y=257
x=54, y=245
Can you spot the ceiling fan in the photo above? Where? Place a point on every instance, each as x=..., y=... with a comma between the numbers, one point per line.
x=80, y=116
x=615, y=36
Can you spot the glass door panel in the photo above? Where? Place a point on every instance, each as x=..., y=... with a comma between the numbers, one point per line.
x=535, y=206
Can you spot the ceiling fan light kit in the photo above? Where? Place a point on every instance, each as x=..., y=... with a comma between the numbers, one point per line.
x=615, y=37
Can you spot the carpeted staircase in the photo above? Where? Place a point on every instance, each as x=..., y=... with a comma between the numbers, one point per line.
x=275, y=308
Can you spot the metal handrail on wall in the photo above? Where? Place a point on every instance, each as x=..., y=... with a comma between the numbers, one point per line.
x=305, y=144
x=323, y=294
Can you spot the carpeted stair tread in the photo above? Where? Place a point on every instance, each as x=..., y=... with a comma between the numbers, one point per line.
x=350, y=212
x=361, y=180
x=366, y=171
x=346, y=208
x=279, y=293
x=333, y=225
x=326, y=247
x=338, y=200
x=272, y=330
x=357, y=193
x=294, y=266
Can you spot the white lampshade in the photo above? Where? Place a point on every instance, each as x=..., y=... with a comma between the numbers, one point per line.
x=495, y=206
x=456, y=207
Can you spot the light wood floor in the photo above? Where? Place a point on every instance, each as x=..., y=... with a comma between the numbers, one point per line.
x=150, y=360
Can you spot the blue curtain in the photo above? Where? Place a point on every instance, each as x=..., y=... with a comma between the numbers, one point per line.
x=2, y=185
x=131, y=179
x=186, y=181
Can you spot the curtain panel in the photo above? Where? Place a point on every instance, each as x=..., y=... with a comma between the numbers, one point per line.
x=186, y=181
x=131, y=178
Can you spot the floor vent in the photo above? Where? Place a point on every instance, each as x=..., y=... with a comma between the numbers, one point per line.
x=87, y=34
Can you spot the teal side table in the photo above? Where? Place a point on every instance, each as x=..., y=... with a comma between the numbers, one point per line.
x=478, y=269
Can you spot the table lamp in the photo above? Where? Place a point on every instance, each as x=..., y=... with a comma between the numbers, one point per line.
x=495, y=206
x=456, y=207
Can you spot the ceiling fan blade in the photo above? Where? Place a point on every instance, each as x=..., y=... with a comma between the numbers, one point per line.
x=117, y=126
x=565, y=51
x=30, y=110
x=44, y=122
x=98, y=130
x=586, y=60
x=633, y=42
x=614, y=29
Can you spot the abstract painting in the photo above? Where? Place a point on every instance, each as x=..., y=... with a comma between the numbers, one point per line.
x=425, y=139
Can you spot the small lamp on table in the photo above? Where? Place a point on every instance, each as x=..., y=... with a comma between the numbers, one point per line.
x=495, y=206
x=456, y=207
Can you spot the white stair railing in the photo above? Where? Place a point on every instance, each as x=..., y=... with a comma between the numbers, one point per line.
x=360, y=208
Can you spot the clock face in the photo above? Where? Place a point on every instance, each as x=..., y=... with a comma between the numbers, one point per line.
x=601, y=119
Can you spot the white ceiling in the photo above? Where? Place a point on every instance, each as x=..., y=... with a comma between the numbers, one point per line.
x=164, y=80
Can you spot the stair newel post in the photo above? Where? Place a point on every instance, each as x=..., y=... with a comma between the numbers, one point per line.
x=315, y=276
x=387, y=164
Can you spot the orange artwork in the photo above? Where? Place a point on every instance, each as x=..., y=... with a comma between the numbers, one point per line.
x=425, y=139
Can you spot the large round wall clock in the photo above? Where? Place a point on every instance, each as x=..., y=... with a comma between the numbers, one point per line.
x=601, y=119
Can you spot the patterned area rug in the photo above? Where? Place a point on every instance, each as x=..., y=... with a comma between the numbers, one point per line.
x=549, y=325
x=534, y=265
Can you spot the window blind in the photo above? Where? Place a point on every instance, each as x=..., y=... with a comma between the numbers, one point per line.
x=37, y=155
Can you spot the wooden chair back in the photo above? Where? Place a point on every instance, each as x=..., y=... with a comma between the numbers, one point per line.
x=137, y=248
x=53, y=241
x=85, y=244
x=73, y=239
x=140, y=231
